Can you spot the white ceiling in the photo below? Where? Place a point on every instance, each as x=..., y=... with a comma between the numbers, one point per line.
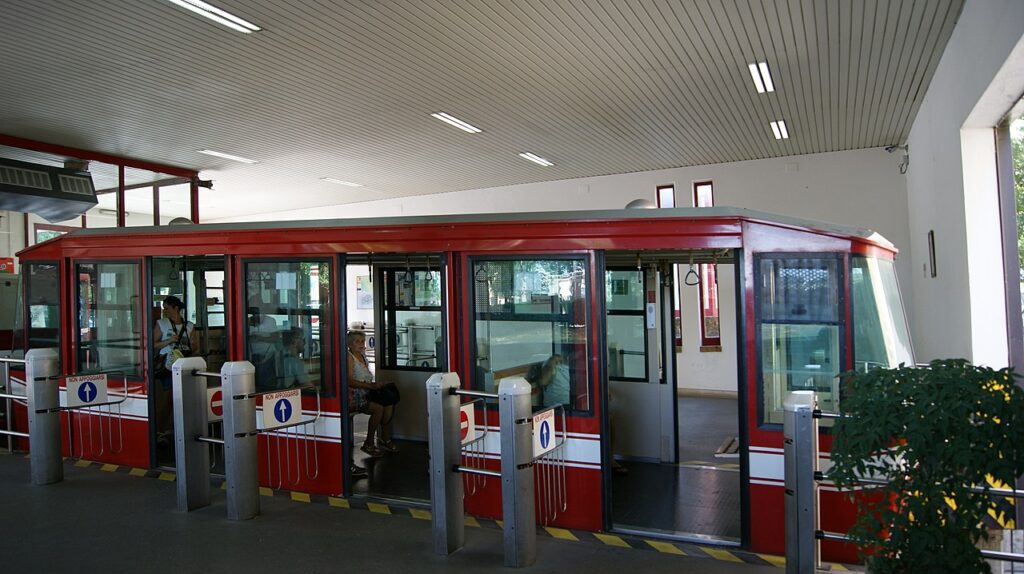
x=345, y=89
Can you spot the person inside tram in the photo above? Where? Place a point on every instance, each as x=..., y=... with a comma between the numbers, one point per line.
x=173, y=337
x=555, y=381
x=293, y=367
x=264, y=344
x=363, y=399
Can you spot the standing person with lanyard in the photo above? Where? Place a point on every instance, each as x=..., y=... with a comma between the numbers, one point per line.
x=173, y=337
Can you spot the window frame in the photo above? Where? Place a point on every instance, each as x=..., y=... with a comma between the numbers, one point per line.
x=388, y=310
x=142, y=365
x=842, y=320
x=657, y=195
x=471, y=317
x=642, y=313
x=328, y=380
x=27, y=313
x=708, y=291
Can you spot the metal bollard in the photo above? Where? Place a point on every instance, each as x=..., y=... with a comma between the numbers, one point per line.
x=446, y=500
x=517, y=499
x=238, y=380
x=43, y=416
x=192, y=458
x=800, y=438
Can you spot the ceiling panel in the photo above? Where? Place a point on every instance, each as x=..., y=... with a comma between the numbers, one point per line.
x=344, y=89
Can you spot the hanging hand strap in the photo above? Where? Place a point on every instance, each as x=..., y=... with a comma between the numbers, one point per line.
x=692, y=272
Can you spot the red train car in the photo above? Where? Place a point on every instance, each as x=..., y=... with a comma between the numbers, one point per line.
x=590, y=307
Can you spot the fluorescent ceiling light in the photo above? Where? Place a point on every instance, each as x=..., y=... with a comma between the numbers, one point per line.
x=456, y=122
x=762, y=77
x=217, y=15
x=780, y=131
x=227, y=156
x=535, y=159
x=341, y=182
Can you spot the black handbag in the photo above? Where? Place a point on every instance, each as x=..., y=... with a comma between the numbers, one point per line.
x=386, y=396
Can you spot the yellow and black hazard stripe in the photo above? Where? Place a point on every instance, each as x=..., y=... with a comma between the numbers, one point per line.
x=418, y=513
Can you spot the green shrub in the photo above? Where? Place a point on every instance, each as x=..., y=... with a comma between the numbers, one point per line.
x=931, y=432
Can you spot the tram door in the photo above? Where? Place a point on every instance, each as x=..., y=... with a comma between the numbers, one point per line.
x=673, y=397
x=198, y=282
x=397, y=303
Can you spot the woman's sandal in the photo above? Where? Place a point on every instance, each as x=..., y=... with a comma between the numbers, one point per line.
x=388, y=446
x=371, y=450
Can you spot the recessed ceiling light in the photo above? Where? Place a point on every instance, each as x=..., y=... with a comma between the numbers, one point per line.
x=464, y=126
x=227, y=156
x=341, y=182
x=780, y=131
x=217, y=15
x=535, y=159
x=762, y=77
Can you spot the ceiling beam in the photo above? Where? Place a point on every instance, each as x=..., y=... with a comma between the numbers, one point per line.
x=25, y=143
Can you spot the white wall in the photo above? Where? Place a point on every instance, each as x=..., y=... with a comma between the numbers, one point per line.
x=861, y=188
x=959, y=313
x=709, y=371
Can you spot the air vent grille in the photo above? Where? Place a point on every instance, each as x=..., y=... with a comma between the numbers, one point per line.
x=76, y=184
x=25, y=177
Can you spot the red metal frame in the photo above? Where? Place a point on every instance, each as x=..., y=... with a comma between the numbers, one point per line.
x=458, y=241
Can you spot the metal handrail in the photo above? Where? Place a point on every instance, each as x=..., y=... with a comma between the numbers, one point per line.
x=993, y=554
x=480, y=394
x=124, y=396
x=480, y=471
x=819, y=476
x=12, y=360
x=991, y=491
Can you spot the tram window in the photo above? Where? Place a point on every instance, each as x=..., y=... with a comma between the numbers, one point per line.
x=288, y=324
x=412, y=319
x=799, y=312
x=43, y=297
x=109, y=318
x=531, y=321
x=626, y=325
x=880, y=334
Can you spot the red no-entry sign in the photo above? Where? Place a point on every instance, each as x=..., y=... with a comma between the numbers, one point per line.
x=216, y=402
x=467, y=424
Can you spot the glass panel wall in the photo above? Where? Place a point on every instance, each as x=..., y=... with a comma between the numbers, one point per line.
x=799, y=309
x=288, y=324
x=627, y=332
x=411, y=314
x=530, y=320
x=42, y=286
x=881, y=337
x=110, y=318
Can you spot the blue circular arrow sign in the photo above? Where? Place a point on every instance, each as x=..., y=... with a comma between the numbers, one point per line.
x=545, y=434
x=283, y=410
x=87, y=392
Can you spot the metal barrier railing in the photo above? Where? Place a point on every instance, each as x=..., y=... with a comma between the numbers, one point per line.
x=524, y=467
x=8, y=395
x=240, y=429
x=43, y=405
x=76, y=384
x=800, y=445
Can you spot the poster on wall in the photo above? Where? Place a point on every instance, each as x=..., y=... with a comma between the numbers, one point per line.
x=364, y=292
x=6, y=265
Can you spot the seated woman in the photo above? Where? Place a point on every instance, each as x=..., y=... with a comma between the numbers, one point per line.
x=360, y=383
